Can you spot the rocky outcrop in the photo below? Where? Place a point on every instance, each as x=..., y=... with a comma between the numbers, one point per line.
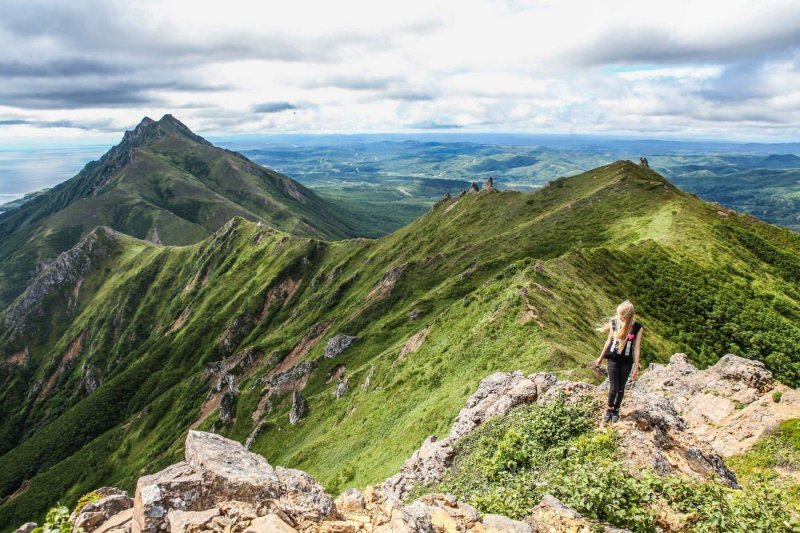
x=222, y=487
x=338, y=344
x=643, y=162
x=27, y=527
x=496, y=396
x=489, y=185
x=653, y=432
x=299, y=408
x=728, y=405
x=473, y=188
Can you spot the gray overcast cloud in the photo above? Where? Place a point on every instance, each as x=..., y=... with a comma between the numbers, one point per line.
x=679, y=68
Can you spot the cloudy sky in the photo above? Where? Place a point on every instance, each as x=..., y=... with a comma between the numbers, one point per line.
x=695, y=68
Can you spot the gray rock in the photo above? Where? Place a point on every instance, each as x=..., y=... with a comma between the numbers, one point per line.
x=197, y=520
x=299, y=408
x=369, y=378
x=227, y=407
x=27, y=527
x=497, y=394
x=341, y=387
x=294, y=378
x=338, y=344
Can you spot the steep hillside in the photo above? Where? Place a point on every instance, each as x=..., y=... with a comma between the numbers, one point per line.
x=162, y=183
x=107, y=365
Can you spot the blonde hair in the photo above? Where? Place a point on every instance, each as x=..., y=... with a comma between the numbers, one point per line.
x=624, y=318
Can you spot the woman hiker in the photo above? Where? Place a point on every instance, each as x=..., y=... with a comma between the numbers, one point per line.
x=622, y=351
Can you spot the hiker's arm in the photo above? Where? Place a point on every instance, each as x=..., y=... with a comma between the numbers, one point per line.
x=636, y=353
x=603, y=351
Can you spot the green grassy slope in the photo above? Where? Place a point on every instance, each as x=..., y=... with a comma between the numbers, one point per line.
x=161, y=178
x=494, y=281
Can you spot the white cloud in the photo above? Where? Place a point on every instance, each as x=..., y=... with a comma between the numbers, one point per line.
x=622, y=66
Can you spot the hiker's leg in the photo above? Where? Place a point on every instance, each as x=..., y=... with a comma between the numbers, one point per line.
x=624, y=371
x=613, y=383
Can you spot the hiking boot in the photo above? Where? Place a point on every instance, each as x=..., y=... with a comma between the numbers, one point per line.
x=608, y=415
x=615, y=416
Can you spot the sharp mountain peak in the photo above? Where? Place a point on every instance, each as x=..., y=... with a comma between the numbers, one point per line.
x=149, y=130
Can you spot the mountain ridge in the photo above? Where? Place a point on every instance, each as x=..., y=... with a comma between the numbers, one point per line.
x=483, y=282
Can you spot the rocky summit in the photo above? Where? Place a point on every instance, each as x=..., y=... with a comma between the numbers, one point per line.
x=667, y=427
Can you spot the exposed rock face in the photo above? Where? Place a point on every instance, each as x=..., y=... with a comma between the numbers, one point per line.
x=67, y=269
x=643, y=162
x=338, y=344
x=473, y=187
x=223, y=487
x=299, y=408
x=294, y=378
x=654, y=435
x=489, y=185
x=728, y=405
x=27, y=527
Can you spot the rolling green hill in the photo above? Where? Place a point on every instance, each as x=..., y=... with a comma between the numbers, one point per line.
x=162, y=183
x=122, y=345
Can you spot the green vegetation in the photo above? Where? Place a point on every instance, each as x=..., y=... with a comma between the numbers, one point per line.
x=86, y=499
x=496, y=281
x=507, y=465
x=57, y=521
x=775, y=461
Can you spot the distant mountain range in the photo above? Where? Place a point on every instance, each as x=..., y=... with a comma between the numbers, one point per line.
x=164, y=184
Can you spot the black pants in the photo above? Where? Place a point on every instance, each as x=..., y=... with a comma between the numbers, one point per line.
x=618, y=373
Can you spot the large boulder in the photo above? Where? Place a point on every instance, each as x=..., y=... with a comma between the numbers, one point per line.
x=216, y=470
x=228, y=470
